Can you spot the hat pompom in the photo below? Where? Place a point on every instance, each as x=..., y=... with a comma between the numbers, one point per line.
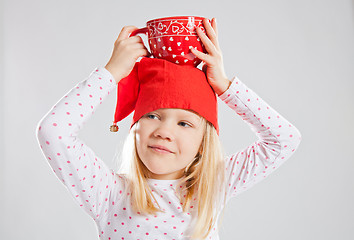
x=114, y=128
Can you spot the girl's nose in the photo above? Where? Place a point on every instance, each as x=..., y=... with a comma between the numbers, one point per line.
x=164, y=131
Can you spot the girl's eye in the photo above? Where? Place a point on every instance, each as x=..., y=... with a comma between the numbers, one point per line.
x=186, y=124
x=148, y=116
x=151, y=116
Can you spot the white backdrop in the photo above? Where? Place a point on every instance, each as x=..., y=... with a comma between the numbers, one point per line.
x=297, y=55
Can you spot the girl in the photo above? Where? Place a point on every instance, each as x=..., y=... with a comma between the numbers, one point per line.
x=175, y=178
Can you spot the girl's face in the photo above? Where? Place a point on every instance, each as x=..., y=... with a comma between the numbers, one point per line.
x=181, y=131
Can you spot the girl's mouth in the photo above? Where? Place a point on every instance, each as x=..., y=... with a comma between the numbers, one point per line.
x=159, y=150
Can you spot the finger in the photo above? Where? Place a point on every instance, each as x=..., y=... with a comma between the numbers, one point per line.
x=139, y=46
x=209, y=46
x=126, y=30
x=135, y=39
x=210, y=31
x=215, y=29
x=145, y=52
x=214, y=25
x=202, y=56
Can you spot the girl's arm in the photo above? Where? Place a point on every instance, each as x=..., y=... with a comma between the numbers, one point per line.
x=277, y=139
x=84, y=174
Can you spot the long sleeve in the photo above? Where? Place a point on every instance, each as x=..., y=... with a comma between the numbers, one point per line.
x=84, y=174
x=277, y=139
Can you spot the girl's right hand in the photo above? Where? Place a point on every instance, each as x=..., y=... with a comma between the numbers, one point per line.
x=125, y=53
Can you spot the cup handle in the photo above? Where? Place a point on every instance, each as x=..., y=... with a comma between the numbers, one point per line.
x=141, y=31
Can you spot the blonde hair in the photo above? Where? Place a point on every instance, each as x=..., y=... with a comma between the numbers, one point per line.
x=204, y=180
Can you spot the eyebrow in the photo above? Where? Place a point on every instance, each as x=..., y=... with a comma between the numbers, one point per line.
x=184, y=114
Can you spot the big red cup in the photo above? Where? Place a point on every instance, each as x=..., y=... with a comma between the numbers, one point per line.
x=171, y=38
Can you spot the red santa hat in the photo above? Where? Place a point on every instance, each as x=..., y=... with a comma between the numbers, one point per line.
x=157, y=83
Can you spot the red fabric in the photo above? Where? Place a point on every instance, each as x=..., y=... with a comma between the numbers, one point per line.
x=156, y=83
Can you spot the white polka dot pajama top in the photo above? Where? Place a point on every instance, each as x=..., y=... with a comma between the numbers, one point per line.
x=101, y=192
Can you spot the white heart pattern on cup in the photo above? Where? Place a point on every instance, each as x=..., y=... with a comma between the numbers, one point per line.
x=171, y=38
x=175, y=29
x=179, y=43
x=160, y=26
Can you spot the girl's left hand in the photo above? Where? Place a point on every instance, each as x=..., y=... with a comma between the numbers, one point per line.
x=213, y=61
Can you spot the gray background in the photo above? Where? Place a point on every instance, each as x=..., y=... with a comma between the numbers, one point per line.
x=298, y=56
